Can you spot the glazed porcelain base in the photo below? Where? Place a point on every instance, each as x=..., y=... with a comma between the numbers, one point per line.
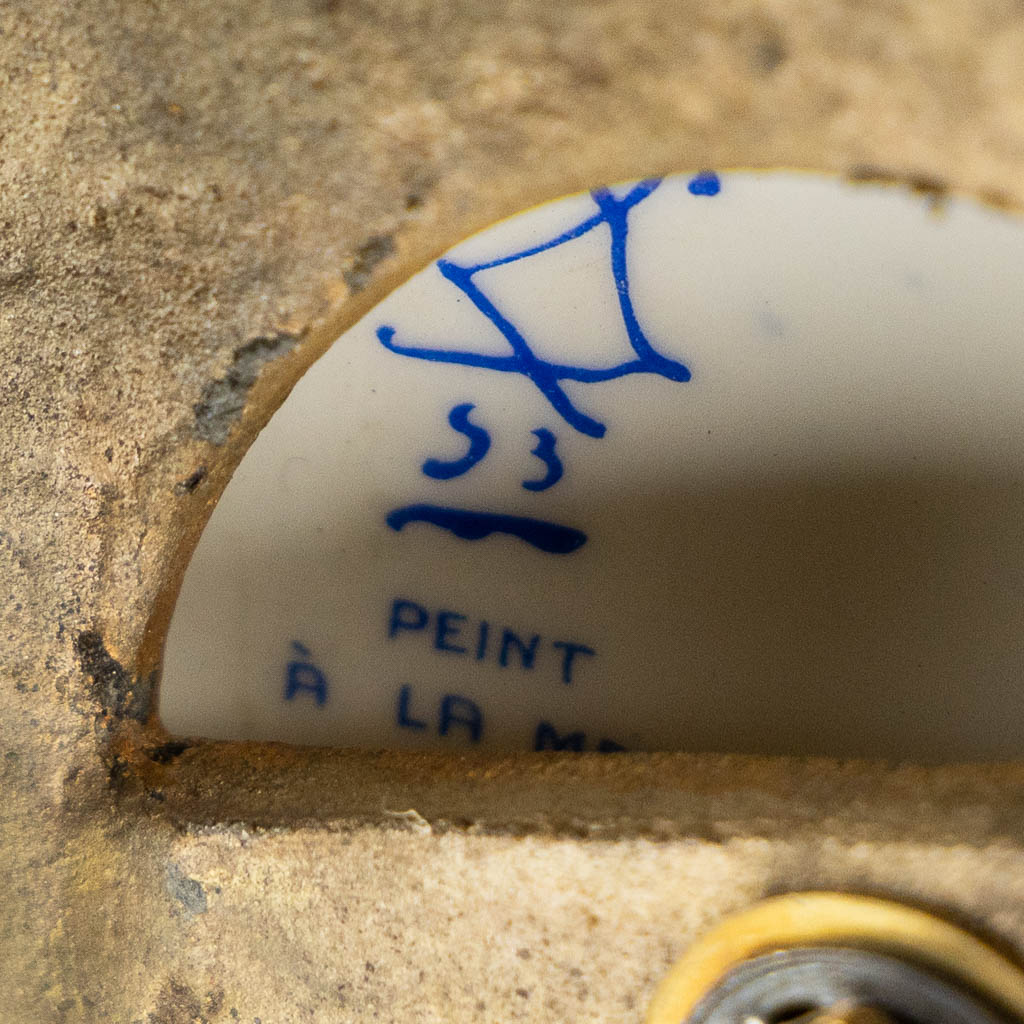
x=720, y=463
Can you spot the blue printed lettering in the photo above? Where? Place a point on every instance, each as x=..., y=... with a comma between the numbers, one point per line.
x=457, y=710
x=304, y=677
x=570, y=652
x=406, y=615
x=547, y=738
x=447, y=626
x=481, y=645
x=403, y=717
x=453, y=632
x=527, y=651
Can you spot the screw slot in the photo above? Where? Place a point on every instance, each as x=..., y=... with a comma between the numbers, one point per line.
x=794, y=1014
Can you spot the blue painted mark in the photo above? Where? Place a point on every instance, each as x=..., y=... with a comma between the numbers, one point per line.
x=459, y=710
x=569, y=653
x=547, y=376
x=304, y=677
x=401, y=621
x=479, y=445
x=527, y=649
x=449, y=625
x=547, y=737
x=707, y=183
x=469, y=525
x=404, y=718
x=545, y=451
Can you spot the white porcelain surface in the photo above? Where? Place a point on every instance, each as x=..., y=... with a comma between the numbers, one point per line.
x=795, y=525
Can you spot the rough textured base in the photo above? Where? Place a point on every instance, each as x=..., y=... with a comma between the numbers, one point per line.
x=196, y=198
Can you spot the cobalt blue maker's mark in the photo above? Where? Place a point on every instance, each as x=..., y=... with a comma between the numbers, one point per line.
x=547, y=376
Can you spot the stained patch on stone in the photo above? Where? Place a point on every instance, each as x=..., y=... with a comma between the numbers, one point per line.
x=180, y=1004
x=933, y=189
x=224, y=399
x=372, y=252
x=189, y=892
x=769, y=52
x=118, y=692
x=168, y=752
x=191, y=482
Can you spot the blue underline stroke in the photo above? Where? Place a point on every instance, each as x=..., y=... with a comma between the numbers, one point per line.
x=467, y=524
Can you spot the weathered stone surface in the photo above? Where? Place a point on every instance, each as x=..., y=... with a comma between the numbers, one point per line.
x=196, y=199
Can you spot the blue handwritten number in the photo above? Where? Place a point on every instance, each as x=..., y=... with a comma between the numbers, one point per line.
x=545, y=451
x=479, y=445
x=547, y=376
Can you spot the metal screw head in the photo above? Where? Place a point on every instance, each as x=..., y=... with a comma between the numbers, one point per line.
x=835, y=985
